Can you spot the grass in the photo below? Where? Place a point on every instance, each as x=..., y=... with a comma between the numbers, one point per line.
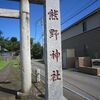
x=12, y=62
x=3, y=64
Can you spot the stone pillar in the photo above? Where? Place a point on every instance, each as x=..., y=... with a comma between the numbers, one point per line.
x=54, y=88
x=25, y=46
x=37, y=74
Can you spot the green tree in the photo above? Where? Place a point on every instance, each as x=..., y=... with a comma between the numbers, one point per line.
x=1, y=33
x=37, y=51
x=13, y=45
x=1, y=40
x=13, y=39
x=31, y=41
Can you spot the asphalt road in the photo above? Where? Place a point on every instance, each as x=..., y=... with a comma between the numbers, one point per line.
x=76, y=86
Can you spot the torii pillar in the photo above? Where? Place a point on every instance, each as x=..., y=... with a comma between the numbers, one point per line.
x=25, y=46
x=25, y=42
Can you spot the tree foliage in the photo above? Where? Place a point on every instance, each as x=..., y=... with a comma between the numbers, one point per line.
x=37, y=51
x=13, y=45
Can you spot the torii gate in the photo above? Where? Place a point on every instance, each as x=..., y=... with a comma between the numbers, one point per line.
x=54, y=88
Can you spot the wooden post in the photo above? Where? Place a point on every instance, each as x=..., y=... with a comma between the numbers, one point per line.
x=25, y=46
x=54, y=88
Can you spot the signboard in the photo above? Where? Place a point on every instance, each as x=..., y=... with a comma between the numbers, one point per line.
x=54, y=90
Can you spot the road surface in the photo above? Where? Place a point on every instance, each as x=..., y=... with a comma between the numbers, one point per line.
x=76, y=86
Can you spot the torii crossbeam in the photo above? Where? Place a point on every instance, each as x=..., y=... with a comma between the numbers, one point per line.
x=32, y=1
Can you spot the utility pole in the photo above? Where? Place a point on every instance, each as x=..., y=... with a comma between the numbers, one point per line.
x=25, y=46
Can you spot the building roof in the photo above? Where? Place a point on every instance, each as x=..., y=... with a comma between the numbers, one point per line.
x=82, y=19
x=32, y=1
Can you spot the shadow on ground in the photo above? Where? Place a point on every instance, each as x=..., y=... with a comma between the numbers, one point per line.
x=10, y=84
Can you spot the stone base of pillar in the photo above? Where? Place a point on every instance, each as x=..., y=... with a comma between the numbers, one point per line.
x=23, y=96
x=29, y=96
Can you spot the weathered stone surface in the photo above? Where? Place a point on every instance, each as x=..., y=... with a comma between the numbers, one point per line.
x=25, y=46
x=33, y=1
x=54, y=90
x=9, y=13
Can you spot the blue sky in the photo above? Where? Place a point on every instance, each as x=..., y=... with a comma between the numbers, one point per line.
x=71, y=11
